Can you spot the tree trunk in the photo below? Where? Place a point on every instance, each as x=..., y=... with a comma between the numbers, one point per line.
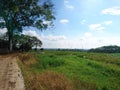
x=36, y=47
x=10, y=44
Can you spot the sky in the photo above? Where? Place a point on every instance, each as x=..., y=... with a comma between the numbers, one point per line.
x=82, y=24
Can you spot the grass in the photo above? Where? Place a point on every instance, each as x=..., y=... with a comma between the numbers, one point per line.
x=67, y=70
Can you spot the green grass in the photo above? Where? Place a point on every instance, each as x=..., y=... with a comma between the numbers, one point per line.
x=86, y=71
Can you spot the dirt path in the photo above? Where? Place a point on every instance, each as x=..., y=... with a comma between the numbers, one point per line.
x=10, y=74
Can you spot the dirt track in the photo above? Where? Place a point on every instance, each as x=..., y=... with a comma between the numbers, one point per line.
x=10, y=74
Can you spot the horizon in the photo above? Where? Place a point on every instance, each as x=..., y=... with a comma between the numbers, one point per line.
x=74, y=48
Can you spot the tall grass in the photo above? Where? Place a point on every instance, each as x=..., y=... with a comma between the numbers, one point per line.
x=47, y=80
x=67, y=70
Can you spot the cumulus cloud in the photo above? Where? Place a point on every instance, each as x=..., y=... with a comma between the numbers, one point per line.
x=107, y=22
x=64, y=21
x=100, y=26
x=96, y=27
x=112, y=11
x=68, y=5
x=3, y=31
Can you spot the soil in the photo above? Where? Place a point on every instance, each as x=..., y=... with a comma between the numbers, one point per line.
x=10, y=74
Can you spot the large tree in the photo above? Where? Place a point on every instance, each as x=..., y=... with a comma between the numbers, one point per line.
x=17, y=14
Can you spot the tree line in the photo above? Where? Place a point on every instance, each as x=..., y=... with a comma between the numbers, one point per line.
x=21, y=42
x=106, y=49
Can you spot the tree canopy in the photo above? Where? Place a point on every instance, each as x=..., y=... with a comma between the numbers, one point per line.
x=25, y=43
x=17, y=14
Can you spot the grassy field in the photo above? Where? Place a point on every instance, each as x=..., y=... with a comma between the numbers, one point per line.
x=67, y=70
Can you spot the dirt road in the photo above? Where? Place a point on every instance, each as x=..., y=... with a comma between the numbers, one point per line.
x=10, y=74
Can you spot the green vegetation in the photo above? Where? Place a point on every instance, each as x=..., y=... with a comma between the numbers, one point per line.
x=106, y=49
x=16, y=15
x=68, y=70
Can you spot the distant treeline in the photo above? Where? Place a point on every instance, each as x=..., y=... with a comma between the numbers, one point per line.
x=106, y=49
x=66, y=49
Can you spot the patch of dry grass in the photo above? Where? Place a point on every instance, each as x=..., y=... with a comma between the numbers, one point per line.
x=27, y=59
x=49, y=81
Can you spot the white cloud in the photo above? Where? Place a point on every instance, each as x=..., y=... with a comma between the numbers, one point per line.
x=88, y=40
x=88, y=34
x=64, y=21
x=68, y=5
x=112, y=11
x=107, y=22
x=30, y=33
x=100, y=26
x=96, y=27
x=47, y=22
x=53, y=37
x=49, y=41
x=2, y=21
x=82, y=42
x=43, y=37
x=3, y=31
x=83, y=21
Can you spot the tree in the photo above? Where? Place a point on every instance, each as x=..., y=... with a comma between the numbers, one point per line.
x=36, y=42
x=15, y=15
x=25, y=43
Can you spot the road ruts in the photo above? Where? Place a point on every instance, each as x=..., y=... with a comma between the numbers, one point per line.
x=10, y=74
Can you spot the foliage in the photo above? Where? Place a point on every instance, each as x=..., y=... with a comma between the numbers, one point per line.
x=107, y=49
x=25, y=43
x=17, y=14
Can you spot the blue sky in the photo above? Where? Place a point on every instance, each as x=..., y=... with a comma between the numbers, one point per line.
x=83, y=24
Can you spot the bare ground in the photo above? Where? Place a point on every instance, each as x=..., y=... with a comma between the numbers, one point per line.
x=10, y=74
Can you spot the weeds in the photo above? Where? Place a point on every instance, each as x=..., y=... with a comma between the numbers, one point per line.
x=59, y=70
